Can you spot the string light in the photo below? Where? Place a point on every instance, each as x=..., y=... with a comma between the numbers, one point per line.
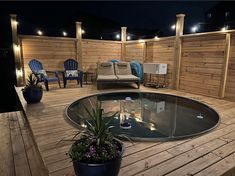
x=118, y=36
x=39, y=32
x=224, y=28
x=128, y=37
x=173, y=27
x=64, y=33
x=83, y=31
x=156, y=37
x=194, y=29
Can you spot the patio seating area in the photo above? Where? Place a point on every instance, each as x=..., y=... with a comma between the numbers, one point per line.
x=209, y=154
x=197, y=66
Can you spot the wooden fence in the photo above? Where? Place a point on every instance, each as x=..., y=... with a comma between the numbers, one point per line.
x=203, y=57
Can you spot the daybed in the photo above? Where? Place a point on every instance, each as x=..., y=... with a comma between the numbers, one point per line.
x=119, y=72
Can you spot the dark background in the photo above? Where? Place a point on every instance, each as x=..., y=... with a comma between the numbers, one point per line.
x=142, y=19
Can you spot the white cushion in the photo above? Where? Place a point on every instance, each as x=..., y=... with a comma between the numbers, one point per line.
x=106, y=77
x=127, y=77
x=41, y=73
x=71, y=73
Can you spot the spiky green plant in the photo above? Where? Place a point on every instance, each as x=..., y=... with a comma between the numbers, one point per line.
x=32, y=82
x=95, y=143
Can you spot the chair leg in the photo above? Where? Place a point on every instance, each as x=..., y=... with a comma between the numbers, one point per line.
x=46, y=85
x=59, y=82
x=65, y=82
x=81, y=82
x=138, y=84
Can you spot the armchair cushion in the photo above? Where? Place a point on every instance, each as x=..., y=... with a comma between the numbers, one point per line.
x=41, y=74
x=71, y=73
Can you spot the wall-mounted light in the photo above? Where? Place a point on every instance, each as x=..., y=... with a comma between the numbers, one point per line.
x=64, y=33
x=83, y=31
x=39, y=32
x=16, y=47
x=15, y=22
x=173, y=27
x=118, y=36
x=128, y=37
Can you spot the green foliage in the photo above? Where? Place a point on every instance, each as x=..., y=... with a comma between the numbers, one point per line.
x=32, y=82
x=95, y=144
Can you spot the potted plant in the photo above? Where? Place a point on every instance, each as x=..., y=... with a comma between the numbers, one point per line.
x=95, y=151
x=32, y=92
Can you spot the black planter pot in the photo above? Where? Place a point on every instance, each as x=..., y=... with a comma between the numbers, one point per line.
x=110, y=168
x=32, y=95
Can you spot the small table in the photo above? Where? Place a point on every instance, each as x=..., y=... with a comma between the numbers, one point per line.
x=86, y=75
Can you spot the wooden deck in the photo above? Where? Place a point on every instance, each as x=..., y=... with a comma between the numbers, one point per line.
x=211, y=154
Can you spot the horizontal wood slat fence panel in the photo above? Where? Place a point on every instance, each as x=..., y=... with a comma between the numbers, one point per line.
x=230, y=88
x=51, y=52
x=202, y=57
x=94, y=51
x=202, y=63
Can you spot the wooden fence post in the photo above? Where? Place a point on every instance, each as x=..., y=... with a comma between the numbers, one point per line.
x=16, y=51
x=79, y=44
x=177, y=49
x=225, y=66
x=123, y=38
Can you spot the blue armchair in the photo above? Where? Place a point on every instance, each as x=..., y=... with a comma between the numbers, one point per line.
x=71, y=72
x=37, y=68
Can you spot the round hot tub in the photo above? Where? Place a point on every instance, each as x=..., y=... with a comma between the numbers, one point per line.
x=145, y=116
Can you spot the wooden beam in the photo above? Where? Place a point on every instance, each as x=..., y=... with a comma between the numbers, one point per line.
x=177, y=49
x=16, y=51
x=123, y=39
x=225, y=66
x=79, y=44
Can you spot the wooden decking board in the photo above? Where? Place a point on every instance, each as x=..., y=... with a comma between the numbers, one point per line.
x=176, y=162
x=220, y=168
x=18, y=151
x=6, y=154
x=196, y=166
x=49, y=125
x=148, y=152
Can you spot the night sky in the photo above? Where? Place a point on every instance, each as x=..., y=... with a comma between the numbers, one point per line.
x=106, y=17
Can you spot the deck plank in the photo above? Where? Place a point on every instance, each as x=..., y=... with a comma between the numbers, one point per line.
x=198, y=155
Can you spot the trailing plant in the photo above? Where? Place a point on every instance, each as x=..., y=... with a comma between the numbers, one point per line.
x=95, y=143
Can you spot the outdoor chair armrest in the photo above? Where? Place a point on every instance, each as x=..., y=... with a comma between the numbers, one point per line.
x=55, y=72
